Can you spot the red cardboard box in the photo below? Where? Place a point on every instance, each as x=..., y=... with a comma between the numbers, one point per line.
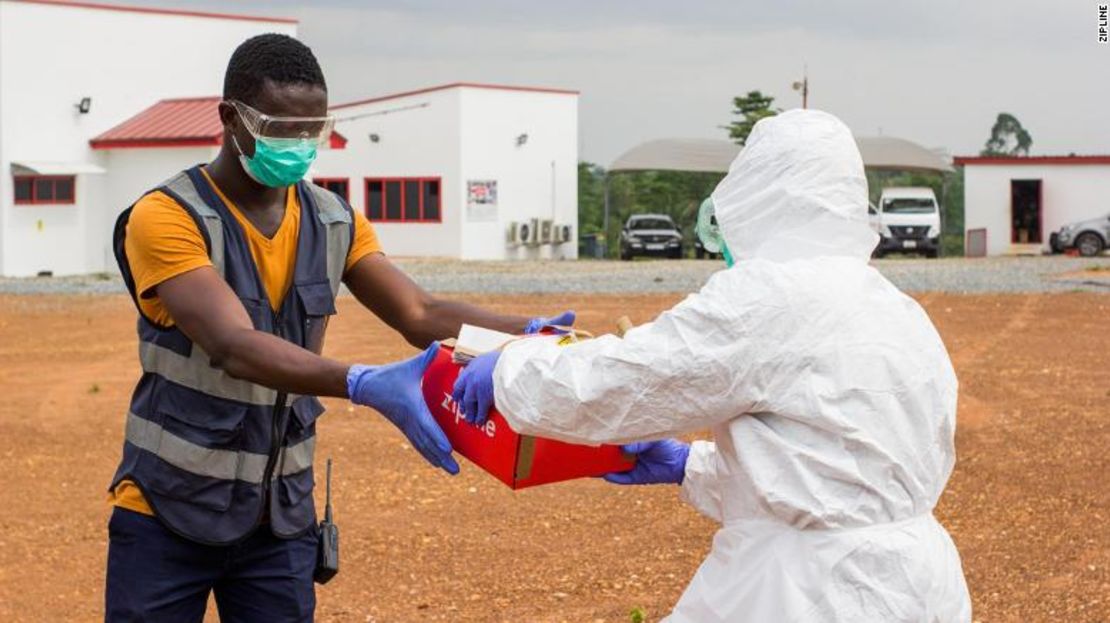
x=517, y=460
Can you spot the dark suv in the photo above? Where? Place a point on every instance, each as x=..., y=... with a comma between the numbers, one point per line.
x=650, y=234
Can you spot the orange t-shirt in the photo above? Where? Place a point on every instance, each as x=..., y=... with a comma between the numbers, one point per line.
x=163, y=242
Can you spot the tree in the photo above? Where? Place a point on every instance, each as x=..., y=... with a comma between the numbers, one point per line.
x=1008, y=138
x=674, y=193
x=591, y=197
x=751, y=107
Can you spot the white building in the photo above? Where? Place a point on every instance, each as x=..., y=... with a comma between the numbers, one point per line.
x=119, y=60
x=455, y=170
x=100, y=103
x=1013, y=204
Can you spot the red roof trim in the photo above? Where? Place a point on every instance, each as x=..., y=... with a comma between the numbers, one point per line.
x=988, y=160
x=137, y=9
x=337, y=140
x=180, y=122
x=454, y=85
x=174, y=142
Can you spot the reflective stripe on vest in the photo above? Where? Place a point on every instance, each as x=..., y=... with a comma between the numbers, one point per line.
x=213, y=463
x=196, y=372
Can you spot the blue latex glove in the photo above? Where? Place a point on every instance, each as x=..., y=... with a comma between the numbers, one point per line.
x=662, y=461
x=535, y=325
x=394, y=390
x=473, y=392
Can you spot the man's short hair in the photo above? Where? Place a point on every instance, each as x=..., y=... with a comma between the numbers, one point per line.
x=279, y=58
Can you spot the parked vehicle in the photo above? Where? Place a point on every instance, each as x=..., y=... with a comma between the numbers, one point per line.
x=873, y=218
x=909, y=222
x=1089, y=237
x=650, y=234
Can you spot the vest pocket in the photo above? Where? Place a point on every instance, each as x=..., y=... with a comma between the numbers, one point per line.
x=198, y=457
x=318, y=303
x=306, y=410
x=168, y=481
x=295, y=487
x=202, y=420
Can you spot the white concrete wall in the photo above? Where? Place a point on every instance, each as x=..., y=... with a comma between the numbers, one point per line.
x=418, y=137
x=1069, y=193
x=133, y=172
x=51, y=237
x=51, y=57
x=538, y=179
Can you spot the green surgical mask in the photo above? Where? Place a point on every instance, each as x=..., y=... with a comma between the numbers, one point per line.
x=278, y=162
x=709, y=232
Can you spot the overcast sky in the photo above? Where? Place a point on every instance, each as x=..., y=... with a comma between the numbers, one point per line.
x=936, y=72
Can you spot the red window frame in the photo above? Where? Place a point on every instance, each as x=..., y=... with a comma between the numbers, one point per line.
x=322, y=181
x=384, y=181
x=35, y=179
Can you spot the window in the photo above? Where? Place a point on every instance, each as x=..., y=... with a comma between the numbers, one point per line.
x=403, y=200
x=35, y=189
x=374, y=194
x=909, y=205
x=338, y=185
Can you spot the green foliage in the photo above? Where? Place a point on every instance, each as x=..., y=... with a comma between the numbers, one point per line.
x=751, y=108
x=1008, y=138
x=674, y=193
x=637, y=615
x=952, y=214
x=591, y=197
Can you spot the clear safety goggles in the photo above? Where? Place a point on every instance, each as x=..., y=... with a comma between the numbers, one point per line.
x=261, y=125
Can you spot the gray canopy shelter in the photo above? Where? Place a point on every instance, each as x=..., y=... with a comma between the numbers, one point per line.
x=708, y=155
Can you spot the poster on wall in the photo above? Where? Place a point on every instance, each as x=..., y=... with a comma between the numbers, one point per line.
x=481, y=201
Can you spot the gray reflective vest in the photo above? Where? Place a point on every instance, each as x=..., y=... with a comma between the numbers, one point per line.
x=209, y=451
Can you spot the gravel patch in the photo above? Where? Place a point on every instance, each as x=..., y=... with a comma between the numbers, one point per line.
x=955, y=275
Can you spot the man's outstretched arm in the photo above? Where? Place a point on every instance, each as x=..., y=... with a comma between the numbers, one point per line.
x=414, y=313
x=206, y=309
x=208, y=312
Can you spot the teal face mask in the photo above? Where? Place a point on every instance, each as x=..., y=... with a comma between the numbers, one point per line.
x=709, y=232
x=278, y=162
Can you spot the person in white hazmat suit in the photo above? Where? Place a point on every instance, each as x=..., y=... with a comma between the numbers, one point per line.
x=831, y=399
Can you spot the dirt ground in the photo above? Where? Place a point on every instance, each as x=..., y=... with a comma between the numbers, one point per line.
x=1028, y=505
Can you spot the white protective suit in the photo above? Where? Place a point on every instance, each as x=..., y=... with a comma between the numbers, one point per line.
x=831, y=399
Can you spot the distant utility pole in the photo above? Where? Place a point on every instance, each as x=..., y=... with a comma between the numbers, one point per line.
x=803, y=86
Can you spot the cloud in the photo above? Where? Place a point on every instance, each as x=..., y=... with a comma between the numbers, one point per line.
x=934, y=72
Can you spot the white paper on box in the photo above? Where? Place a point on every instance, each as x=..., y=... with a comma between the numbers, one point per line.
x=474, y=341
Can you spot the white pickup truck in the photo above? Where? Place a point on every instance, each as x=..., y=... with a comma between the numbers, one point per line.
x=909, y=222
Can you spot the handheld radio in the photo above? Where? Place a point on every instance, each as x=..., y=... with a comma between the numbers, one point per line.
x=327, y=554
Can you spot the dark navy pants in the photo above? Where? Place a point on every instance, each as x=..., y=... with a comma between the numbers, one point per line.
x=156, y=575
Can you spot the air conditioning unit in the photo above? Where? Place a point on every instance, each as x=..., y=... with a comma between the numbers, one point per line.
x=563, y=233
x=522, y=232
x=530, y=234
x=547, y=231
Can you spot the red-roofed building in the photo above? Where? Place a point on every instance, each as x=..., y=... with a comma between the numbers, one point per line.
x=182, y=122
x=464, y=170
x=1013, y=205
x=467, y=170
x=75, y=78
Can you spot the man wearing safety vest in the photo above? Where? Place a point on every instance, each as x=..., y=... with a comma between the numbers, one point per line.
x=234, y=267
